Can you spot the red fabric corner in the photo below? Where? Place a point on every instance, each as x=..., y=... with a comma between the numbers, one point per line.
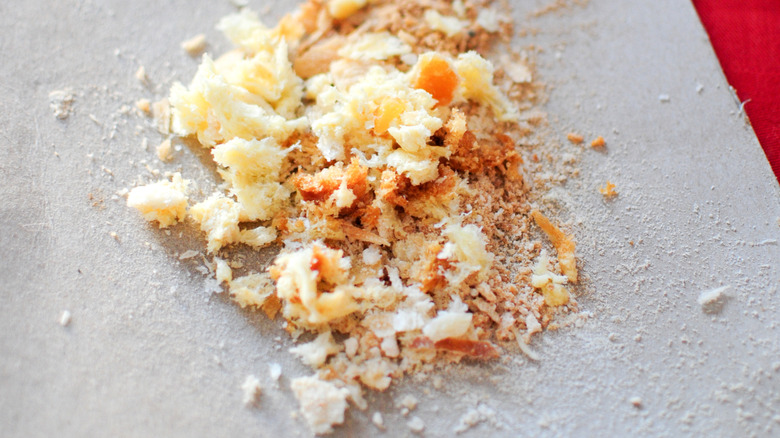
x=746, y=37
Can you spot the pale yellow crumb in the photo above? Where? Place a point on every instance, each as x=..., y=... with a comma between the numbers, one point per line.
x=165, y=150
x=195, y=45
x=140, y=74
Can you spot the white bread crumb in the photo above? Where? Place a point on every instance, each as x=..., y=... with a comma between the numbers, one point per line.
x=416, y=424
x=251, y=388
x=378, y=420
x=711, y=301
x=322, y=403
x=65, y=318
x=275, y=371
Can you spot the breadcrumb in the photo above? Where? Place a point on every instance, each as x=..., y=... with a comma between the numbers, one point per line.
x=608, y=190
x=575, y=138
x=252, y=389
x=65, y=318
x=598, y=142
x=195, y=45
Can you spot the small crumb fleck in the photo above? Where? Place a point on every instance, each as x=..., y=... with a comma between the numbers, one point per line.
x=699, y=88
x=144, y=105
x=636, y=401
x=61, y=103
x=416, y=424
x=162, y=116
x=195, y=45
x=114, y=235
x=712, y=301
x=251, y=388
x=608, y=190
x=378, y=420
x=140, y=74
x=408, y=401
x=599, y=142
x=165, y=150
x=275, y=371
x=664, y=98
x=575, y=138
x=612, y=337
x=65, y=318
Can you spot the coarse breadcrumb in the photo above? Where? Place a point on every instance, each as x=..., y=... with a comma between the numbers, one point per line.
x=392, y=158
x=598, y=142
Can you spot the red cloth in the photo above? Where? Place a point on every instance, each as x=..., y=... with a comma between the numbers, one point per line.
x=746, y=38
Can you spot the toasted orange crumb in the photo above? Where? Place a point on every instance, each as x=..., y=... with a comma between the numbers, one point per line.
x=574, y=138
x=562, y=243
x=608, y=190
x=438, y=78
x=599, y=142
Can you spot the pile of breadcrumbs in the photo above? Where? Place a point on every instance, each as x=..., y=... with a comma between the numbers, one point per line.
x=391, y=162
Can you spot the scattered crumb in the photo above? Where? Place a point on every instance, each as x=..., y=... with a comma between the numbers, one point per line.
x=275, y=371
x=599, y=142
x=575, y=138
x=608, y=190
x=712, y=301
x=144, y=105
x=65, y=318
x=699, y=88
x=416, y=424
x=664, y=98
x=195, y=45
x=636, y=401
x=161, y=110
x=252, y=389
x=114, y=235
x=61, y=103
x=165, y=150
x=408, y=401
x=378, y=420
x=140, y=74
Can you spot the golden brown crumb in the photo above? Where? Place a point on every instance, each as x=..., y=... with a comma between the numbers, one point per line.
x=608, y=190
x=575, y=138
x=598, y=142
